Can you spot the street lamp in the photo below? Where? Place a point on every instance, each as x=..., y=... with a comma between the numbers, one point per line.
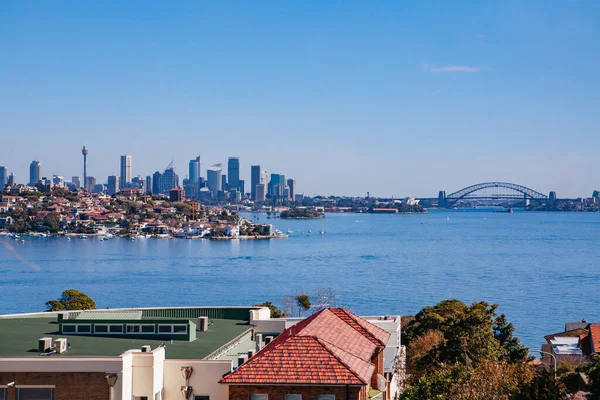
x=553, y=358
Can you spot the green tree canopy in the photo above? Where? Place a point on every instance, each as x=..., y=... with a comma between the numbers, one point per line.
x=71, y=300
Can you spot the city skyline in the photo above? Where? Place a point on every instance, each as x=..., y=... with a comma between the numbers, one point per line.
x=345, y=98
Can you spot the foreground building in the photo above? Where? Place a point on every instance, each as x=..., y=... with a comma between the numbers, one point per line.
x=207, y=353
x=576, y=344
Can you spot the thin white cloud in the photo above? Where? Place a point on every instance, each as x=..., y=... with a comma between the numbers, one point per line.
x=453, y=68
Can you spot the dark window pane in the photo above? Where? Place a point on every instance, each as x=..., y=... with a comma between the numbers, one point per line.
x=164, y=328
x=179, y=328
x=116, y=329
x=35, y=394
x=133, y=328
x=101, y=328
x=148, y=328
x=68, y=328
x=84, y=328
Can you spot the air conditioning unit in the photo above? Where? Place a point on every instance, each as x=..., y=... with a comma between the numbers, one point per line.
x=60, y=345
x=44, y=344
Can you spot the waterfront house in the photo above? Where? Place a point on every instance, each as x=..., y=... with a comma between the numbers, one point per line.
x=576, y=344
x=197, y=353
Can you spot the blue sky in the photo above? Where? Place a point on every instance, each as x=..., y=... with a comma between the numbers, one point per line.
x=395, y=98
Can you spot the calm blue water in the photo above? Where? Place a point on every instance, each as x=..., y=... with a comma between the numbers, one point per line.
x=542, y=268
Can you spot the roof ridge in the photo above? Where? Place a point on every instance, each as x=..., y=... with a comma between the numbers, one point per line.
x=360, y=321
x=349, y=368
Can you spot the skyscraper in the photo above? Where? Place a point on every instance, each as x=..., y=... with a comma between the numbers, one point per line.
x=113, y=185
x=163, y=183
x=292, y=185
x=213, y=176
x=90, y=183
x=233, y=172
x=76, y=182
x=194, y=175
x=3, y=177
x=149, y=184
x=35, y=172
x=125, y=171
x=12, y=180
x=276, y=179
x=254, y=180
x=260, y=192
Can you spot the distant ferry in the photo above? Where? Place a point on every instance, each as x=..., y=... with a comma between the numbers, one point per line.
x=508, y=210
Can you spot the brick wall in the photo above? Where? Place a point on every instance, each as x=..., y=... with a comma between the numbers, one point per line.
x=68, y=385
x=241, y=392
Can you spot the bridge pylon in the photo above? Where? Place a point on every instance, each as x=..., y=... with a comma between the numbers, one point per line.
x=442, y=200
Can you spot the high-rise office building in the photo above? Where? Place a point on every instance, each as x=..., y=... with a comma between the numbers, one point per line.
x=292, y=185
x=35, y=172
x=125, y=171
x=90, y=183
x=233, y=172
x=224, y=182
x=213, y=176
x=3, y=177
x=113, y=185
x=254, y=180
x=12, y=180
x=76, y=182
x=276, y=179
x=163, y=183
x=149, y=187
x=261, y=194
x=58, y=181
x=194, y=175
x=242, y=187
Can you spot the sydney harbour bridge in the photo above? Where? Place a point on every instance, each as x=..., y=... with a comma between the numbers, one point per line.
x=492, y=191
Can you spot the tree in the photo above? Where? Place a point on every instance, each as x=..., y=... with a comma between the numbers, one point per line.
x=71, y=299
x=52, y=222
x=303, y=302
x=455, y=351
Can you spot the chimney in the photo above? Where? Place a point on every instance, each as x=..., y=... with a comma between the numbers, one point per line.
x=258, y=338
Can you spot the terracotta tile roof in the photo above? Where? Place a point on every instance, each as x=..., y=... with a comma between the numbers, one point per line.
x=372, y=332
x=332, y=346
x=595, y=337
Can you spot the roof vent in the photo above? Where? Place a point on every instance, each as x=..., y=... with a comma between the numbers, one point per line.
x=268, y=339
x=146, y=348
x=203, y=324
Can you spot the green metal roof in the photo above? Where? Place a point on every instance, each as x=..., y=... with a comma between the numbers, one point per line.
x=19, y=337
x=109, y=315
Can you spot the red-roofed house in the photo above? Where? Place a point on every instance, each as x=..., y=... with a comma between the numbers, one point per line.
x=332, y=354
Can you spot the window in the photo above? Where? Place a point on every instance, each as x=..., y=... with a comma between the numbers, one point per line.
x=68, y=329
x=293, y=397
x=256, y=396
x=35, y=393
x=164, y=329
x=201, y=397
x=84, y=328
x=100, y=328
x=133, y=329
x=179, y=328
x=326, y=397
x=147, y=328
x=116, y=328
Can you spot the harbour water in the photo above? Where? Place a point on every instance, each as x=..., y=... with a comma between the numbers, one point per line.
x=541, y=268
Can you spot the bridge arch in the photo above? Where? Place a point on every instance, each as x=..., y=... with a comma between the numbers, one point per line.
x=528, y=193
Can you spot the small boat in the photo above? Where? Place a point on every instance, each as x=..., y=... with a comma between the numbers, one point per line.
x=309, y=231
x=22, y=240
x=68, y=238
x=321, y=232
x=290, y=232
x=83, y=237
